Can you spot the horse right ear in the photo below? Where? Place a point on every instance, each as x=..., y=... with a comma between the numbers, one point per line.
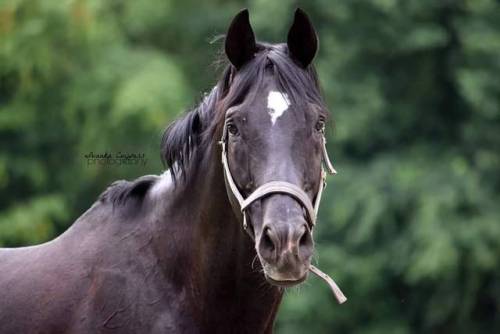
x=302, y=39
x=240, y=43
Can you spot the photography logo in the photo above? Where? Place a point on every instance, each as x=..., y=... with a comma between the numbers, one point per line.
x=115, y=159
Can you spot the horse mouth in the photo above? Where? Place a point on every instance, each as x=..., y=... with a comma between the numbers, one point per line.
x=287, y=282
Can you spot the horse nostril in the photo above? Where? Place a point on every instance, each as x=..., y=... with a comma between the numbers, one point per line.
x=305, y=239
x=267, y=239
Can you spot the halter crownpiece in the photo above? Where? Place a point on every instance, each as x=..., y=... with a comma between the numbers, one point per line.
x=290, y=189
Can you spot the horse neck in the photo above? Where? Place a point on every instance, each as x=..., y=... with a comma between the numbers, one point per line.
x=220, y=263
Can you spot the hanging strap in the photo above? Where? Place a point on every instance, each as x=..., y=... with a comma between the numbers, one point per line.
x=341, y=299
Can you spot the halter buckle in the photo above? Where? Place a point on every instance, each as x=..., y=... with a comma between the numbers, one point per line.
x=245, y=224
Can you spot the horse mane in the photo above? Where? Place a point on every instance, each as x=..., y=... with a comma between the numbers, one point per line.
x=184, y=141
x=121, y=191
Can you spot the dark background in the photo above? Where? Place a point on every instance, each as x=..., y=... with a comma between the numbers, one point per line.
x=409, y=228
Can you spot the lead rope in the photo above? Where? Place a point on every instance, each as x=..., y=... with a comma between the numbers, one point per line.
x=341, y=298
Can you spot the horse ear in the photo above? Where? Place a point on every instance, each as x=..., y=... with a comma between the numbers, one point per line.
x=240, y=43
x=302, y=39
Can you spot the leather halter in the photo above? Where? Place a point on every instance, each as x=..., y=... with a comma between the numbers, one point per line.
x=274, y=187
x=290, y=189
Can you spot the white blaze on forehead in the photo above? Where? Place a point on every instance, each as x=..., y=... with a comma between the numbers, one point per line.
x=277, y=104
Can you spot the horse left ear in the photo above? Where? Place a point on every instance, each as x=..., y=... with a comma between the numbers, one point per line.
x=302, y=39
x=240, y=43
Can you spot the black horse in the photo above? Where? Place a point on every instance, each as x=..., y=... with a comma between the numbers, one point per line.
x=168, y=254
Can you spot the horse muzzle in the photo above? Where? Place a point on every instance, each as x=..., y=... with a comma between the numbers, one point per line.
x=284, y=244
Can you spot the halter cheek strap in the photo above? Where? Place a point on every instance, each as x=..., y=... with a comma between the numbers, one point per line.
x=290, y=189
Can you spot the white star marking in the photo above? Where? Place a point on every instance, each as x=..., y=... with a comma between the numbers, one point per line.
x=277, y=104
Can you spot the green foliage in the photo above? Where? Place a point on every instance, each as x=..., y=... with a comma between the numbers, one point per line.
x=409, y=228
x=18, y=227
x=412, y=230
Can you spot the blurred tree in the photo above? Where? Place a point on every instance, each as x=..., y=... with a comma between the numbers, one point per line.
x=73, y=82
x=410, y=227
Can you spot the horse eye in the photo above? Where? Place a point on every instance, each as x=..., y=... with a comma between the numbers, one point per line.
x=320, y=126
x=232, y=129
